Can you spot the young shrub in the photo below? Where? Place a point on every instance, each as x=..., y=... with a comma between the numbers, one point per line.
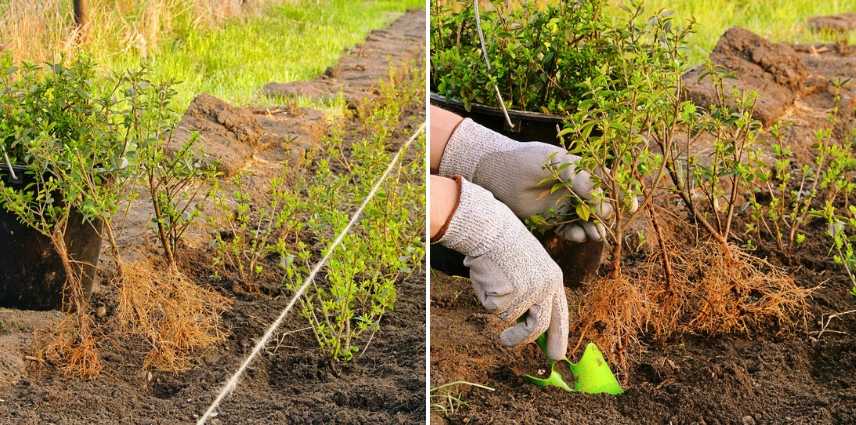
x=67, y=132
x=631, y=104
x=346, y=307
x=256, y=229
x=361, y=276
x=795, y=190
x=176, y=183
x=734, y=290
x=838, y=211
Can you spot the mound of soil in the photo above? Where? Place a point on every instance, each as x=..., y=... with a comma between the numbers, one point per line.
x=229, y=136
x=834, y=23
x=291, y=382
x=772, y=376
x=773, y=70
x=354, y=75
x=795, y=85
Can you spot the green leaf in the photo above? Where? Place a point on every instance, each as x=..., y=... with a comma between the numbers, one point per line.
x=583, y=211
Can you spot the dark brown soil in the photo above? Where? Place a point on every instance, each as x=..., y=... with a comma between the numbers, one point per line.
x=688, y=380
x=771, y=376
x=291, y=382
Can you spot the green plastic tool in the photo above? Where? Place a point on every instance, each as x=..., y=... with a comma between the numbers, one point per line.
x=592, y=374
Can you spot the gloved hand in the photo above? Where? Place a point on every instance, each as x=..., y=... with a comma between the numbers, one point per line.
x=513, y=172
x=511, y=273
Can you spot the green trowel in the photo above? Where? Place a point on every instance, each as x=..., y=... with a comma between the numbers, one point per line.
x=592, y=374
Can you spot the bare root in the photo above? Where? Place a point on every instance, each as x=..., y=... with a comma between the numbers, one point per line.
x=711, y=290
x=175, y=316
x=614, y=314
x=740, y=291
x=71, y=345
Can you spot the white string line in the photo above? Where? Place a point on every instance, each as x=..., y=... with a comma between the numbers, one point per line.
x=263, y=341
x=487, y=63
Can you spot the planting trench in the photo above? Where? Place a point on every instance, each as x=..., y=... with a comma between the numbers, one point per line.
x=291, y=382
x=768, y=377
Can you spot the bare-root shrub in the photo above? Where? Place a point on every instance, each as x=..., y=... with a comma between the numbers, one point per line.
x=174, y=315
x=705, y=291
x=71, y=345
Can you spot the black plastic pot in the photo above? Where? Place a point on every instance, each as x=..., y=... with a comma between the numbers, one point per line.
x=528, y=126
x=577, y=260
x=31, y=274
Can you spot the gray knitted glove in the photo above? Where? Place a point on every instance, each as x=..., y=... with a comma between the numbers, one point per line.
x=513, y=171
x=510, y=271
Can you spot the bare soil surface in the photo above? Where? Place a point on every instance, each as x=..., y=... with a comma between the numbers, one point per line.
x=291, y=382
x=771, y=376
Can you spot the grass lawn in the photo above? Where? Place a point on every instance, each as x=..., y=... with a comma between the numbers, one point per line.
x=777, y=20
x=291, y=41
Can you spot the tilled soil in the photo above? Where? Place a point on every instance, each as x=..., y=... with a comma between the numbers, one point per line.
x=763, y=378
x=291, y=382
x=768, y=377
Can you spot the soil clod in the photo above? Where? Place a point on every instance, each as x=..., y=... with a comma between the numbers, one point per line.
x=834, y=23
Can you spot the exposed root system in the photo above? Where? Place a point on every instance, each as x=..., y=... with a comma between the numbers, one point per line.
x=738, y=291
x=712, y=290
x=176, y=316
x=614, y=314
x=71, y=345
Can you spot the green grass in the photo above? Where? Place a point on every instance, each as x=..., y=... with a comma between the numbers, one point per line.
x=289, y=42
x=777, y=20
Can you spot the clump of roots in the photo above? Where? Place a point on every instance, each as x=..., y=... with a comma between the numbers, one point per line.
x=614, y=313
x=709, y=289
x=737, y=291
x=71, y=345
x=174, y=315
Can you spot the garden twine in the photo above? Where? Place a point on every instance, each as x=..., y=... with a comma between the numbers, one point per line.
x=232, y=383
x=487, y=63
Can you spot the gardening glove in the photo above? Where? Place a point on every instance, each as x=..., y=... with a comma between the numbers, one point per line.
x=511, y=273
x=513, y=172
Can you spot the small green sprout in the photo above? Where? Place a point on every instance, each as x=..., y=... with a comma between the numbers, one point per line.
x=447, y=402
